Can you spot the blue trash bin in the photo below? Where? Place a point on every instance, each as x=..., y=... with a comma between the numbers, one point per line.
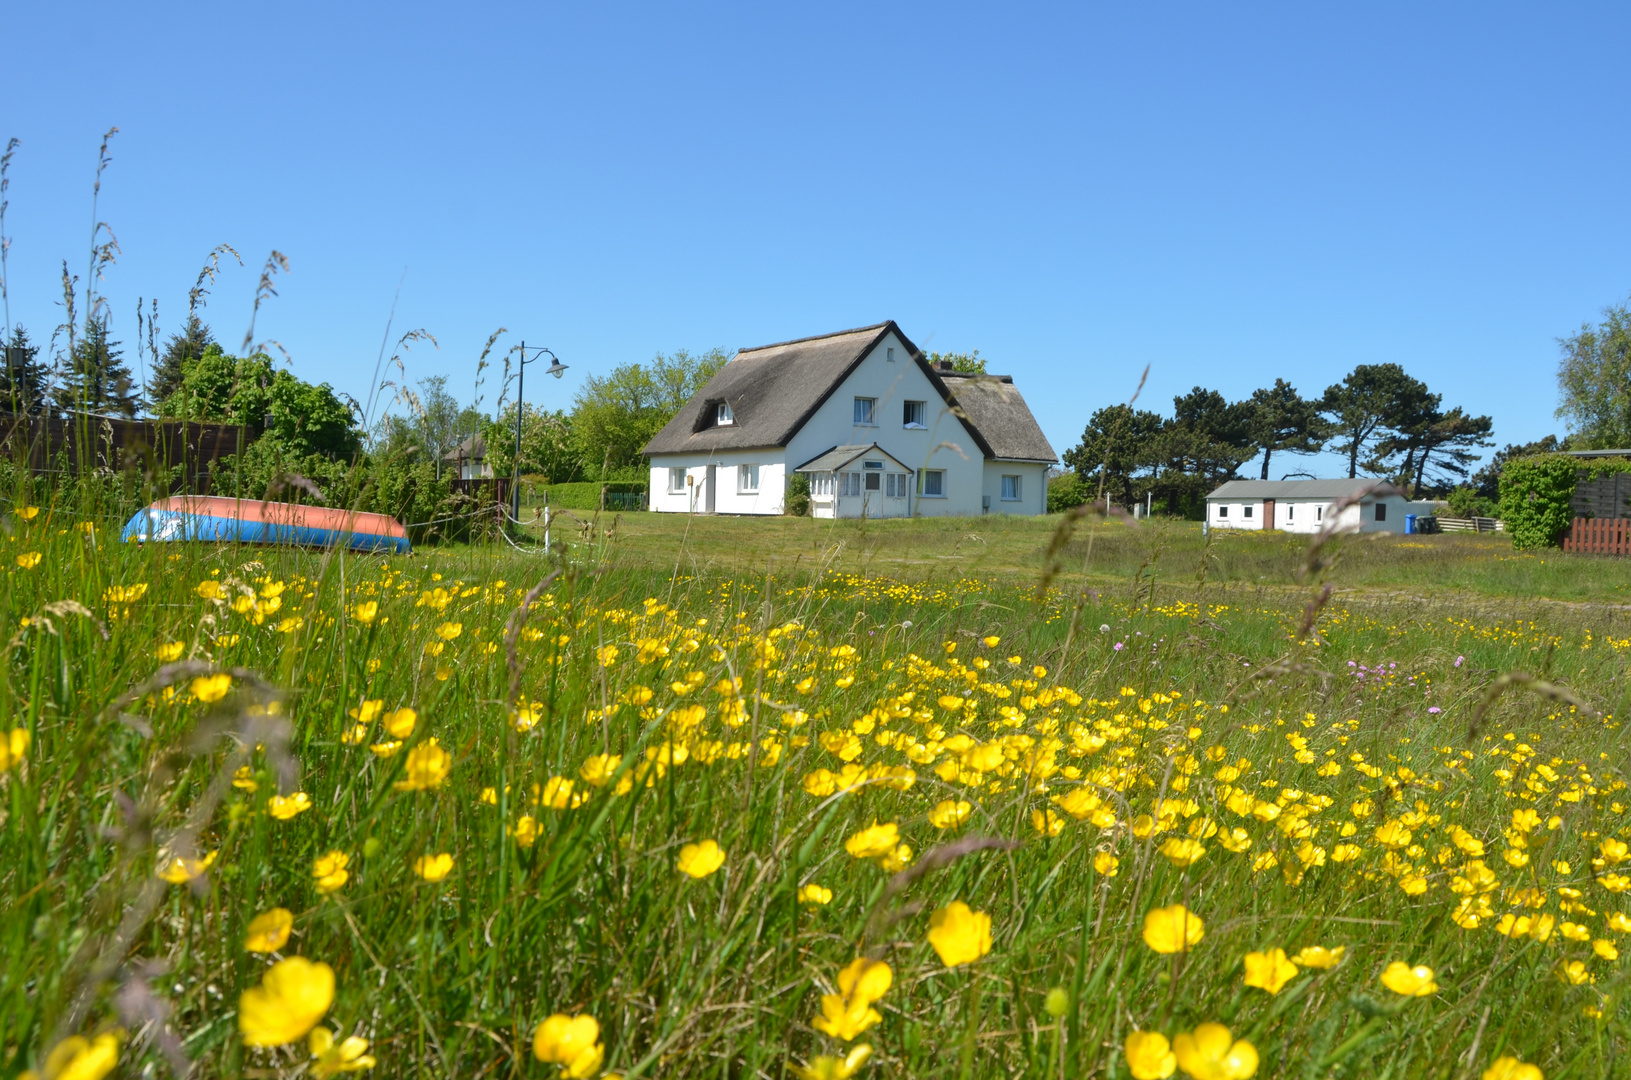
x=1409, y=523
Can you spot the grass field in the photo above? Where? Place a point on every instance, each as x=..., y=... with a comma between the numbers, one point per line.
x=733, y=798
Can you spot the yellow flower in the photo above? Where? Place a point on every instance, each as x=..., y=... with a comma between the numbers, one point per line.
x=873, y=841
x=292, y=996
x=433, y=867
x=1510, y=1068
x=849, y=1012
x=449, y=630
x=169, y=651
x=328, y=1058
x=949, y=813
x=208, y=590
x=78, y=1058
x=1211, y=1053
x=367, y=711
x=824, y=1067
x=179, y=871
x=700, y=860
x=1574, y=973
x=526, y=831
x=13, y=748
x=1605, y=949
x=366, y=611
x=1106, y=864
x=1409, y=981
x=428, y=766
x=400, y=724
x=959, y=934
x=815, y=895
x=1150, y=1056
x=28, y=560
x=1173, y=929
x=330, y=871
x=284, y=807
x=269, y=931
x=1181, y=851
x=27, y=513
x=1046, y=822
x=1269, y=970
x=525, y=715
x=1318, y=956
x=211, y=688
x=385, y=749
x=572, y=1042
x=992, y=642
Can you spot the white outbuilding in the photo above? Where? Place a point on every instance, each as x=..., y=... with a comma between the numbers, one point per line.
x=1305, y=506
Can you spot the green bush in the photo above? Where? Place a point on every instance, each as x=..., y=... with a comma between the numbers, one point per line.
x=585, y=495
x=1067, y=491
x=1466, y=502
x=1537, y=495
x=797, y=503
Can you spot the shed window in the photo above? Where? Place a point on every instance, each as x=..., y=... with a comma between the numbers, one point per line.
x=1381, y=511
x=865, y=409
x=723, y=415
x=849, y=483
x=820, y=483
x=913, y=415
x=1223, y=510
x=1010, y=489
x=1245, y=511
x=1291, y=511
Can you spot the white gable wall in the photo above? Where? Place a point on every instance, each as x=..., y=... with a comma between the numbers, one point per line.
x=893, y=383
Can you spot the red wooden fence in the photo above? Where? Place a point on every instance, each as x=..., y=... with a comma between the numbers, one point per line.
x=1599, y=536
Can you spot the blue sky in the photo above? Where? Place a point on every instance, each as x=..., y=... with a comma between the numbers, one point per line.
x=1225, y=193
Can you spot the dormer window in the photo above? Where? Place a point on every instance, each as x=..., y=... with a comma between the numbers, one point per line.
x=723, y=415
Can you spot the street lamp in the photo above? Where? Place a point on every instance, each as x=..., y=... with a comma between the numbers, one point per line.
x=557, y=369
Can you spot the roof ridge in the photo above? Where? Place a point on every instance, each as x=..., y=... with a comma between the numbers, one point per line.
x=816, y=337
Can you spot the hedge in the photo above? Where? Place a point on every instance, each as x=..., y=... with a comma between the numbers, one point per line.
x=584, y=495
x=1537, y=495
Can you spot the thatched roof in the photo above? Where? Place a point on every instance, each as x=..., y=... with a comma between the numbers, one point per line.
x=473, y=448
x=998, y=413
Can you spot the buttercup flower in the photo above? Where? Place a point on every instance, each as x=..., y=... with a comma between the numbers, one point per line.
x=849, y=1012
x=1409, y=981
x=179, y=871
x=329, y=1057
x=1150, y=1056
x=433, y=867
x=428, y=765
x=28, y=560
x=1318, y=956
x=13, y=748
x=1211, y=1053
x=1510, y=1068
x=1173, y=929
x=211, y=688
x=400, y=724
x=572, y=1042
x=959, y=934
x=366, y=611
x=949, y=813
x=330, y=871
x=700, y=860
x=832, y=1068
x=292, y=996
x=873, y=841
x=284, y=807
x=1269, y=970
x=269, y=931
x=815, y=895
x=79, y=1058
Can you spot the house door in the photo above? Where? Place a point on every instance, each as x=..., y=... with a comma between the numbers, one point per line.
x=1268, y=511
x=708, y=491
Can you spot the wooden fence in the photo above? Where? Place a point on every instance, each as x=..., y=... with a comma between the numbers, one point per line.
x=69, y=444
x=1472, y=524
x=1599, y=536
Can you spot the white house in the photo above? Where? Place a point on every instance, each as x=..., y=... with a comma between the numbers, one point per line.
x=876, y=430
x=1305, y=506
x=469, y=459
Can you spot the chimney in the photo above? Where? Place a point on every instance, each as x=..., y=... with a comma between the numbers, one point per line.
x=943, y=365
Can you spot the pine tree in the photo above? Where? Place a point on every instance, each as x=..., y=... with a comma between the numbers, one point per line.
x=95, y=378
x=181, y=350
x=24, y=381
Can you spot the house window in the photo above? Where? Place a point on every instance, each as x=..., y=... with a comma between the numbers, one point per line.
x=820, y=483
x=723, y=414
x=849, y=483
x=676, y=481
x=1010, y=489
x=1245, y=511
x=747, y=478
x=1223, y=511
x=934, y=483
x=895, y=485
x=1381, y=511
x=865, y=409
x=913, y=417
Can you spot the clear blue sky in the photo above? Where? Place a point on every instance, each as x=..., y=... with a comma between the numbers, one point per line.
x=1224, y=192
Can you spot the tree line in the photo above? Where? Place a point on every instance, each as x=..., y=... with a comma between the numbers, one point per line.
x=1383, y=421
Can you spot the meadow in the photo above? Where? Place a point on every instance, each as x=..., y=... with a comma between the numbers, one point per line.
x=717, y=798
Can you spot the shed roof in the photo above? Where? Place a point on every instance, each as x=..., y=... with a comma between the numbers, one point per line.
x=999, y=413
x=1302, y=489
x=839, y=456
x=774, y=389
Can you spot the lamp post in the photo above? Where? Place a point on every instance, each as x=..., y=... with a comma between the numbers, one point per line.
x=557, y=369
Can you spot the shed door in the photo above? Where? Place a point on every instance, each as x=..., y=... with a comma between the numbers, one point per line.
x=1268, y=513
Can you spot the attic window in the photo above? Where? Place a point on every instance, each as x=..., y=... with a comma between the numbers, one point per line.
x=723, y=414
x=889, y=354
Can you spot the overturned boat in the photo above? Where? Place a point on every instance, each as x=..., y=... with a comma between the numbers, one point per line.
x=216, y=519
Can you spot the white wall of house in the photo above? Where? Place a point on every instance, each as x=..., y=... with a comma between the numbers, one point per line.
x=892, y=383
x=1307, y=515
x=730, y=497
x=1032, y=484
